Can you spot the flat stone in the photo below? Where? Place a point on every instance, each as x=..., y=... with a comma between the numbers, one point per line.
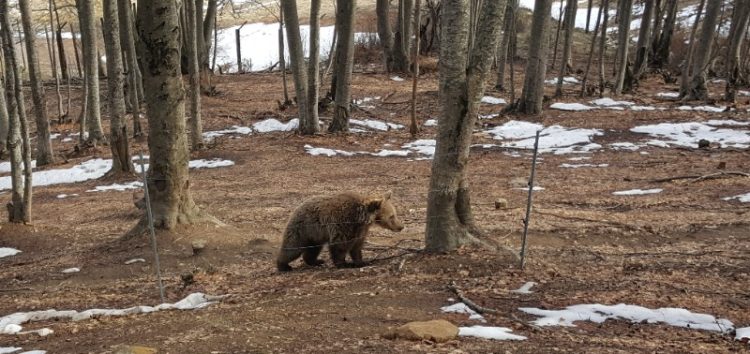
x=134, y=349
x=436, y=331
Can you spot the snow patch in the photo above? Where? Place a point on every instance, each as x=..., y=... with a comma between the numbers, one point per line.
x=7, y=252
x=555, y=139
x=608, y=102
x=326, y=151
x=235, y=129
x=273, y=125
x=430, y=123
x=742, y=198
x=118, y=187
x=213, y=163
x=71, y=270
x=710, y=109
x=581, y=165
x=624, y=146
x=668, y=95
x=5, y=166
x=638, y=191
x=720, y=122
x=525, y=288
x=397, y=78
x=424, y=147
x=493, y=100
x=688, y=135
x=135, y=260
x=642, y=108
x=64, y=196
x=576, y=107
x=460, y=307
x=496, y=333
x=598, y=313
x=568, y=80
x=11, y=324
x=743, y=333
x=376, y=124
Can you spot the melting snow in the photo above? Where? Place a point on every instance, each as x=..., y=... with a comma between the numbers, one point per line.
x=214, y=163
x=711, y=109
x=568, y=80
x=624, y=146
x=636, y=314
x=580, y=165
x=496, y=333
x=63, y=196
x=642, y=108
x=326, y=152
x=638, y=191
x=688, y=134
x=71, y=270
x=493, y=100
x=7, y=252
x=571, y=107
x=668, y=95
x=430, y=123
x=608, y=102
x=11, y=324
x=743, y=333
x=118, y=187
x=719, y=122
x=460, y=307
x=235, y=129
x=135, y=260
x=525, y=288
x=397, y=78
x=422, y=146
x=273, y=125
x=743, y=198
x=5, y=166
x=555, y=138
x=376, y=124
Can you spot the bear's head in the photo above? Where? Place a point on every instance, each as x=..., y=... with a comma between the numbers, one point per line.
x=384, y=212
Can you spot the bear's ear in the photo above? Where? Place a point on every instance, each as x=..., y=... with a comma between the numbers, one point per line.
x=373, y=205
x=387, y=195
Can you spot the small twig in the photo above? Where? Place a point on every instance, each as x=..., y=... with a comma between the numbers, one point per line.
x=698, y=178
x=481, y=309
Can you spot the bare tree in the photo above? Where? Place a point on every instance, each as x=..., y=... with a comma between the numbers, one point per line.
x=462, y=79
x=590, y=60
x=737, y=34
x=536, y=67
x=697, y=89
x=385, y=34
x=402, y=37
x=588, y=15
x=308, y=124
x=509, y=22
x=127, y=34
x=687, y=63
x=624, y=8
x=570, y=23
x=414, y=127
x=118, y=130
x=643, y=47
x=602, y=46
x=44, y=154
x=19, y=208
x=661, y=50
x=168, y=179
x=91, y=70
x=344, y=62
x=4, y=120
x=313, y=69
x=193, y=49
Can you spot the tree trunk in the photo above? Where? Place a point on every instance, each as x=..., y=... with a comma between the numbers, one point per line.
x=687, y=64
x=60, y=43
x=661, y=53
x=196, y=128
x=536, y=67
x=344, y=62
x=91, y=71
x=402, y=38
x=19, y=209
x=168, y=180
x=503, y=50
x=588, y=14
x=299, y=69
x=282, y=58
x=134, y=77
x=75, y=50
x=644, y=37
x=557, y=34
x=697, y=89
x=449, y=219
x=624, y=9
x=592, y=48
x=44, y=154
x=570, y=23
x=118, y=130
x=737, y=33
x=53, y=60
x=414, y=127
x=602, y=47
x=310, y=125
x=385, y=34
x=4, y=120
x=208, y=25
x=658, y=21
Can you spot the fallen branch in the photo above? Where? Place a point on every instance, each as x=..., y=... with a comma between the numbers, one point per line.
x=481, y=309
x=698, y=178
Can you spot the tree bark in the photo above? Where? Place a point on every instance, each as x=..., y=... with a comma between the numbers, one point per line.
x=588, y=14
x=570, y=23
x=414, y=127
x=449, y=218
x=697, y=89
x=19, y=209
x=344, y=63
x=643, y=47
x=592, y=49
x=193, y=48
x=134, y=77
x=91, y=71
x=385, y=34
x=299, y=68
x=687, y=63
x=737, y=33
x=503, y=50
x=536, y=67
x=60, y=43
x=602, y=46
x=402, y=38
x=661, y=53
x=624, y=9
x=168, y=179
x=75, y=50
x=208, y=26
x=118, y=130
x=282, y=57
x=44, y=153
x=310, y=125
x=53, y=59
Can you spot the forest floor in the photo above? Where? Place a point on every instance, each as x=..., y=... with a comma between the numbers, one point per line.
x=685, y=247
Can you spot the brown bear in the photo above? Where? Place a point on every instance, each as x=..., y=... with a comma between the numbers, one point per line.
x=340, y=220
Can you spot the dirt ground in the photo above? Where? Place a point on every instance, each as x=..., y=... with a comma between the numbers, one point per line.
x=684, y=247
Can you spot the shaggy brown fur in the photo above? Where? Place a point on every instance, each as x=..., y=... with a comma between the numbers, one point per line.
x=341, y=220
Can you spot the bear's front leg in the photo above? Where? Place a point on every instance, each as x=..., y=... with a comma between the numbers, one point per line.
x=356, y=253
x=338, y=255
x=310, y=256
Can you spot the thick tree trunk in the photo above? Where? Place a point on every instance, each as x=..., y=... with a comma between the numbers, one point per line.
x=592, y=49
x=53, y=59
x=91, y=71
x=737, y=33
x=661, y=52
x=602, y=47
x=208, y=26
x=624, y=9
x=344, y=62
x=414, y=127
x=60, y=43
x=193, y=48
x=19, y=208
x=134, y=77
x=402, y=38
x=310, y=125
x=299, y=68
x=570, y=23
x=118, y=130
x=168, y=180
x=557, y=34
x=697, y=89
x=643, y=47
x=656, y=32
x=4, y=120
x=75, y=40
x=536, y=67
x=44, y=154
x=385, y=34
x=282, y=58
x=687, y=64
x=449, y=219
x=588, y=15
x=509, y=22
